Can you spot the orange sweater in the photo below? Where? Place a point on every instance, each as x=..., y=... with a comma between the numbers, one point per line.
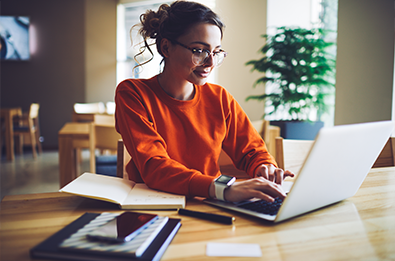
x=175, y=144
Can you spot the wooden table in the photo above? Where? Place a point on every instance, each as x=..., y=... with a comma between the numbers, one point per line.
x=361, y=227
x=8, y=114
x=91, y=117
x=72, y=137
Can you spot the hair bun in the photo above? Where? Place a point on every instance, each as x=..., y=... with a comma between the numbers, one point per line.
x=152, y=21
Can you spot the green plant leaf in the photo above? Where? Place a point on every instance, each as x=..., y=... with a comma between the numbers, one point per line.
x=296, y=63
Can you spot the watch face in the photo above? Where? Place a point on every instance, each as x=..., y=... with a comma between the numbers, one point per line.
x=224, y=179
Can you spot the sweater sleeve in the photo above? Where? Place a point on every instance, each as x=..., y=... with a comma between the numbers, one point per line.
x=243, y=143
x=150, y=160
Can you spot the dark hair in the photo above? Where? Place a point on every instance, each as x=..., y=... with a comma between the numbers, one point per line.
x=172, y=21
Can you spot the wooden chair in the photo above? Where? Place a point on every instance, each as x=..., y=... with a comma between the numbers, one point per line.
x=290, y=154
x=94, y=107
x=26, y=128
x=269, y=133
x=387, y=155
x=123, y=157
x=102, y=137
x=225, y=163
x=85, y=112
x=110, y=108
x=101, y=120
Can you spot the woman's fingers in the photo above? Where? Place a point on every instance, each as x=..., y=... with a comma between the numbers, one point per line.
x=262, y=171
x=266, y=185
x=279, y=176
x=272, y=173
x=288, y=173
x=254, y=188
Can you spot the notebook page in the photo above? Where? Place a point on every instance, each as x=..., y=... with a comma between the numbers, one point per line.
x=142, y=196
x=101, y=187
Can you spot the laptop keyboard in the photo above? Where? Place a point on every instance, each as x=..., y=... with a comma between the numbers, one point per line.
x=264, y=207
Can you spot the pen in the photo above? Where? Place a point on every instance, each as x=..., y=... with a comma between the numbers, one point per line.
x=207, y=216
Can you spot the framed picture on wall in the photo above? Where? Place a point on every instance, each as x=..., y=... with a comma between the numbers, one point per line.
x=14, y=38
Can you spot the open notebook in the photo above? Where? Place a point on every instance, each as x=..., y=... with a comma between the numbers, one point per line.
x=334, y=169
x=126, y=193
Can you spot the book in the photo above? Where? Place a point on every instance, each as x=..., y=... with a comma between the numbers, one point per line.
x=136, y=247
x=50, y=248
x=126, y=193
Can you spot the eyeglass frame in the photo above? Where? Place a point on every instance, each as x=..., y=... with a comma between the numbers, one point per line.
x=194, y=50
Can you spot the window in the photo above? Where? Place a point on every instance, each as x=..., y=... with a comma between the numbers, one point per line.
x=306, y=14
x=128, y=16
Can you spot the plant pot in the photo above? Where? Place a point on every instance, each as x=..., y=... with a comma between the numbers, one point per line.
x=298, y=130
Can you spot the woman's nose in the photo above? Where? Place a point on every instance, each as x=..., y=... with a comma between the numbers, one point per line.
x=210, y=60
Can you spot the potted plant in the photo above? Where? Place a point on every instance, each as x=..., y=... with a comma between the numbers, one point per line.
x=299, y=71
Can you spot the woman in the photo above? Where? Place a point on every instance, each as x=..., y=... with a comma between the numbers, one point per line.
x=175, y=124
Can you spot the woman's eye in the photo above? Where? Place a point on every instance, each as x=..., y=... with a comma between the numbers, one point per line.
x=195, y=50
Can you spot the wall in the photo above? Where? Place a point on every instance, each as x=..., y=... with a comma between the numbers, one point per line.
x=290, y=13
x=245, y=23
x=100, y=50
x=365, y=60
x=62, y=71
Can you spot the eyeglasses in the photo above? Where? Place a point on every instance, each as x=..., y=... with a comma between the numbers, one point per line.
x=201, y=56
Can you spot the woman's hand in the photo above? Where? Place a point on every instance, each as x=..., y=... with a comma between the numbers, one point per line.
x=254, y=188
x=271, y=173
x=265, y=185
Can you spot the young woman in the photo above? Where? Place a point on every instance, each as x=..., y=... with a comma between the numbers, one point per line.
x=175, y=124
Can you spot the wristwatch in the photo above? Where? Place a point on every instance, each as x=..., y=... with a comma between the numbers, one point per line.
x=221, y=183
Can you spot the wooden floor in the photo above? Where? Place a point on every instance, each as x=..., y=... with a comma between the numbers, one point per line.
x=27, y=175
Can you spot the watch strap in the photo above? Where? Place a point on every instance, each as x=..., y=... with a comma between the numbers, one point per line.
x=219, y=191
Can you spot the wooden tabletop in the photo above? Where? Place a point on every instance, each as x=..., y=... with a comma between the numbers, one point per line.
x=75, y=128
x=361, y=227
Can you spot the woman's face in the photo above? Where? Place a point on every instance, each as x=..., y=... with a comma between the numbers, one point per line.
x=201, y=36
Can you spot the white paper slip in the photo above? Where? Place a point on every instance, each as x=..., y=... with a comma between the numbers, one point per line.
x=232, y=249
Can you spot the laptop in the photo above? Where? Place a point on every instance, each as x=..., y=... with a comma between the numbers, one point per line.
x=337, y=164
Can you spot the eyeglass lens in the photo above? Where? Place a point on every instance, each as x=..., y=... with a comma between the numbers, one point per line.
x=200, y=58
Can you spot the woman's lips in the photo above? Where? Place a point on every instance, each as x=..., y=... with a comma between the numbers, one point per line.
x=203, y=74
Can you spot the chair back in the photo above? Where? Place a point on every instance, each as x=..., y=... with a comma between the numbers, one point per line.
x=92, y=112
x=269, y=133
x=33, y=112
x=94, y=107
x=258, y=125
x=106, y=137
x=291, y=154
x=110, y=107
x=103, y=137
x=123, y=158
x=27, y=130
x=104, y=119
